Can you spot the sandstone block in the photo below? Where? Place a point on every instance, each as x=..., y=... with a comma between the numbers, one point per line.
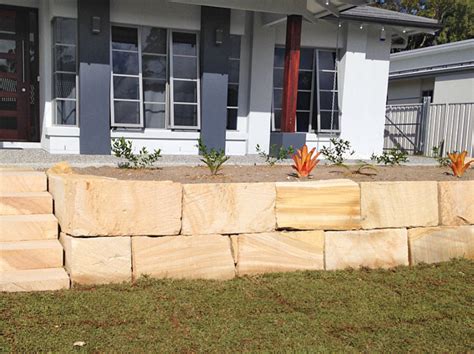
x=373, y=249
x=98, y=206
x=98, y=260
x=228, y=208
x=28, y=227
x=34, y=280
x=279, y=252
x=30, y=255
x=456, y=203
x=399, y=204
x=22, y=181
x=26, y=203
x=192, y=257
x=323, y=205
x=440, y=244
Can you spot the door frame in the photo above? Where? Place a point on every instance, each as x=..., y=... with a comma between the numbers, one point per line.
x=32, y=121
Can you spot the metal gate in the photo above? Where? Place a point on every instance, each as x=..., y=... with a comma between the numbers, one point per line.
x=417, y=128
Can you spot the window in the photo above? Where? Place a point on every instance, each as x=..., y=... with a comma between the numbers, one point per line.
x=317, y=102
x=155, y=79
x=184, y=81
x=64, y=71
x=233, y=86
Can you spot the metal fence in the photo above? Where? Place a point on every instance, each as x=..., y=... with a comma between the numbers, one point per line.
x=417, y=128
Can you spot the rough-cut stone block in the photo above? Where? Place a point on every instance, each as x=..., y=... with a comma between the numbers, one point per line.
x=279, y=252
x=98, y=260
x=34, y=280
x=28, y=227
x=98, y=206
x=192, y=257
x=321, y=205
x=30, y=255
x=228, y=208
x=22, y=181
x=372, y=249
x=456, y=203
x=399, y=204
x=440, y=244
x=26, y=203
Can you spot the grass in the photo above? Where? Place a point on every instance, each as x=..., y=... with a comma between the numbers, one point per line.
x=427, y=308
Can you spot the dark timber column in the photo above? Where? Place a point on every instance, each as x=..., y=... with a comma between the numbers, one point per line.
x=290, y=78
x=215, y=52
x=94, y=76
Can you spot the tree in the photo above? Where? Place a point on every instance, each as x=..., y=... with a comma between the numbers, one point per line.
x=456, y=17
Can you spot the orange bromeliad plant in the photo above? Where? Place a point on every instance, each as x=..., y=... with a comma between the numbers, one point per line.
x=304, y=161
x=457, y=163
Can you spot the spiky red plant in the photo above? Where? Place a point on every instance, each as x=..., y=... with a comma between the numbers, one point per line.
x=305, y=162
x=457, y=163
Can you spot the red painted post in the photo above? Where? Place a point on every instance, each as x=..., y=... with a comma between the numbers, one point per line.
x=290, y=76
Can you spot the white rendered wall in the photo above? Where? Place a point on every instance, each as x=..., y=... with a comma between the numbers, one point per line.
x=261, y=82
x=364, y=76
x=454, y=88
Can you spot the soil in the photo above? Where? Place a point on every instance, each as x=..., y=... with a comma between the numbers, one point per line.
x=277, y=173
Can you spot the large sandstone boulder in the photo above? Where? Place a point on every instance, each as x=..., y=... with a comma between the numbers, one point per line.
x=321, y=205
x=278, y=252
x=399, y=204
x=99, y=206
x=228, y=208
x=373, y=249
x=440, y=244
x=456, y=203
x=97, y=260
x=191, y=257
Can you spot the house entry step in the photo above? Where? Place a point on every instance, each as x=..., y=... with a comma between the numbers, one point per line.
x=34, y=280
x=26, y=203
x=12, y=181
x=28, y=227
x=28, y=255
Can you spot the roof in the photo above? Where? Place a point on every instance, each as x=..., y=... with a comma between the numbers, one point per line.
x=388, y=17
x=450, y=57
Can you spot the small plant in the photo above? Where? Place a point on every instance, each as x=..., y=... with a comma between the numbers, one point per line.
x=438, y=156
x=214, y=159
x=457, y=163
x=123, y=148
x=304, y=161
x=392, y=157
x=275, y=155
x=336, y=154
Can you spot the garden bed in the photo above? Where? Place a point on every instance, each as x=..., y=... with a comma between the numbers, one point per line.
x=277, y=173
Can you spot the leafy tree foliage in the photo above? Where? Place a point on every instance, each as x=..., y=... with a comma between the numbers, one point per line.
x=456, y=17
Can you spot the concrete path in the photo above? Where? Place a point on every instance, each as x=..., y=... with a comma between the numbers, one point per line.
x=38, y=158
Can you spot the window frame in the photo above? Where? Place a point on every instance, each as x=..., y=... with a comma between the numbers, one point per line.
x=172, y=125
x=113, y=123
x=54, y=73
x=229, y=83
x=314, y=91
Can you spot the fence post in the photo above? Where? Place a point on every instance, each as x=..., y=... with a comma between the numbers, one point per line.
x=425, y=116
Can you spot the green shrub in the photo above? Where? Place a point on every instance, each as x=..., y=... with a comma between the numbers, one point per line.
x=275, y=155
x=214, y=159
x=438, y=156
x=392, y=157
x=337, y=153
x=123, y=148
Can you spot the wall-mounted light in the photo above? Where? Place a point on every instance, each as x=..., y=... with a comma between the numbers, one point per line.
x=219, y=36
x=327, y=2
x=361, y=26
x=95, y=26
x=383, y=35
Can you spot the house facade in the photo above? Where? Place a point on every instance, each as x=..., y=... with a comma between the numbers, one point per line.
x=75, y=74
x=445, y=73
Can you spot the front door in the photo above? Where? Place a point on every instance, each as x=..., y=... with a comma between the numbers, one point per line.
x=18, y=74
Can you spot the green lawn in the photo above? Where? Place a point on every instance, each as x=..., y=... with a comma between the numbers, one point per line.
x=426, y=308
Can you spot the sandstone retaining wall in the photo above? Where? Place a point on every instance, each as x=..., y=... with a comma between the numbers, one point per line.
x=117, y=230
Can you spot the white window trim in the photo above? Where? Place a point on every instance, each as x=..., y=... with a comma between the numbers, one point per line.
x=139, y=76
x=197, y=80
x=55, y=121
